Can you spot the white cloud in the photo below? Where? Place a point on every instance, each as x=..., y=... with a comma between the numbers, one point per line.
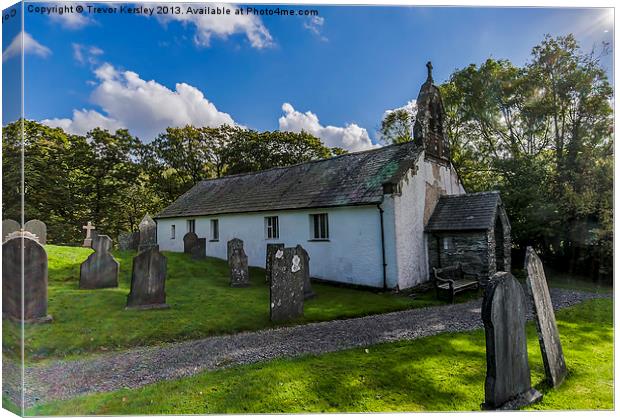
x=209, y=26
x=84, y=53
x=351, y=137
x=72, y=21
x=411, y=107
x=315, y=25
x=31, y=46
x=146, y=108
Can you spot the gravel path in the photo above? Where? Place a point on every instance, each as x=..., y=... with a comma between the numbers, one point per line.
x=141, y=366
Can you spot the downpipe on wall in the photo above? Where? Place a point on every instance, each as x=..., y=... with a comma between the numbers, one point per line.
x=383, y=246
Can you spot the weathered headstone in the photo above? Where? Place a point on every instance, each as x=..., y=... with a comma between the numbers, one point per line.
x=287, y=285
x=308, y=292
x=148, y=233
x=38, y=228
x=199, y=250
x=508, y=383
x=548, y=334
x=189, y=241
x=34, y=299
x=128, y=240
x=100, y=269
x=238, y=264
x=8, y=227
x=234, y=243
x=88, y=241
x=270, y=252
x=148, y=279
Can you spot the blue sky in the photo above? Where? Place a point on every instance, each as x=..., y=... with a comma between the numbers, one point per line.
x=334, y=75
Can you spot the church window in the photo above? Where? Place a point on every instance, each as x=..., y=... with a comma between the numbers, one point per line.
x=320, y=226
x=215, y=230
x=191, y=225
x=173, y=231
x=272, y=227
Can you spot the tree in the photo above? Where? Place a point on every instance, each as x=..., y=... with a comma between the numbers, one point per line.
x=397, y=125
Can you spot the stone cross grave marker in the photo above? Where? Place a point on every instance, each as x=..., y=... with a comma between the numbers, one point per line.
x=270, y=252
x=308, y=292
x=8, y=227
x=148, y=280
x=189, y=241
x=199, y=250
x=286, y=292
x=88, y=241
x=100, y=270
x=34, y=297
x=508, y=383
x=37, y=228
x=548, y=334
x=238, y=264
x=148, y=233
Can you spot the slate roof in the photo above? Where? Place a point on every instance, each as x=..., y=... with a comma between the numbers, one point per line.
x=350, y=179
x=472, y=211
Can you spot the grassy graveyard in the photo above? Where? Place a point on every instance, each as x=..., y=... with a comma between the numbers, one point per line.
x=201, y=300
x=440, y=373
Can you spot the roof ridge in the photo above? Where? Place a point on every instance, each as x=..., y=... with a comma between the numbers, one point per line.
x=348, y=154
x=471, y=194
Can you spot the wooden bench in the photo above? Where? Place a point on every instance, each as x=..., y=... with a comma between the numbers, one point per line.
x=454, y=279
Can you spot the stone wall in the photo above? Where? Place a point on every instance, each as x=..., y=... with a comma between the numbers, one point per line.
x=471, y=248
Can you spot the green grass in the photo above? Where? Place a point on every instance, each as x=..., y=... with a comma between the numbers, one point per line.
x=440, y=373
x=201, y=304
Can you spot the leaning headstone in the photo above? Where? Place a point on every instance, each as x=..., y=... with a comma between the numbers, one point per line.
x=508, y=383
x=548, y=334
x=148, y=279
x=33, y=300
x=308, y=292
x=270, y=252
x=37, y=228
x=148, y=233
x=8, y=227
x=100, y=269
x=199, y=251
x=231, y=245
x=88, y=241
x=286, y=292
x=238, y=265
x=128, y=241
x=189, y=241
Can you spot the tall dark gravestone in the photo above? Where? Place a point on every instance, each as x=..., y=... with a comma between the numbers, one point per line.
x=189, y=242
x=34, y=298
x=148, y=233
x=286, y=292
x=199, y=250
x=548, y=334
x=238, y=264
x=38, y=228
x=8, y=227
x=100, y=270
x=270, y=252
x=308, y=292
x=508, y=383
x=148, y=280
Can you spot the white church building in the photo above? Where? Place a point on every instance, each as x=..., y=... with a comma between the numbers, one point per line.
x=362, y=216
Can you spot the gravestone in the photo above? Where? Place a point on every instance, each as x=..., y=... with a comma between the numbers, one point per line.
x=88, y=241
x=199, y=250
x=308, y=292
x=8, y=227
x=148, y=233
x=34, y=299
x=148, y=279
x=508, y=383
x=270, y=252
x=286, y=292
x=189, y=241
x=548, y=334
x=38, y=228
x=128, y=241
x=238, y=264
x=100, y=269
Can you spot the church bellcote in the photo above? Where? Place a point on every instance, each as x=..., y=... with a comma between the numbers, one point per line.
x=429, y=129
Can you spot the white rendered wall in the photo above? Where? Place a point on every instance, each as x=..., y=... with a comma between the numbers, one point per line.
x=352, y=254
x=418, y=197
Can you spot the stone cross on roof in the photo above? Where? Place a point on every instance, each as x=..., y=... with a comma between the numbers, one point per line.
x=429, y=68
